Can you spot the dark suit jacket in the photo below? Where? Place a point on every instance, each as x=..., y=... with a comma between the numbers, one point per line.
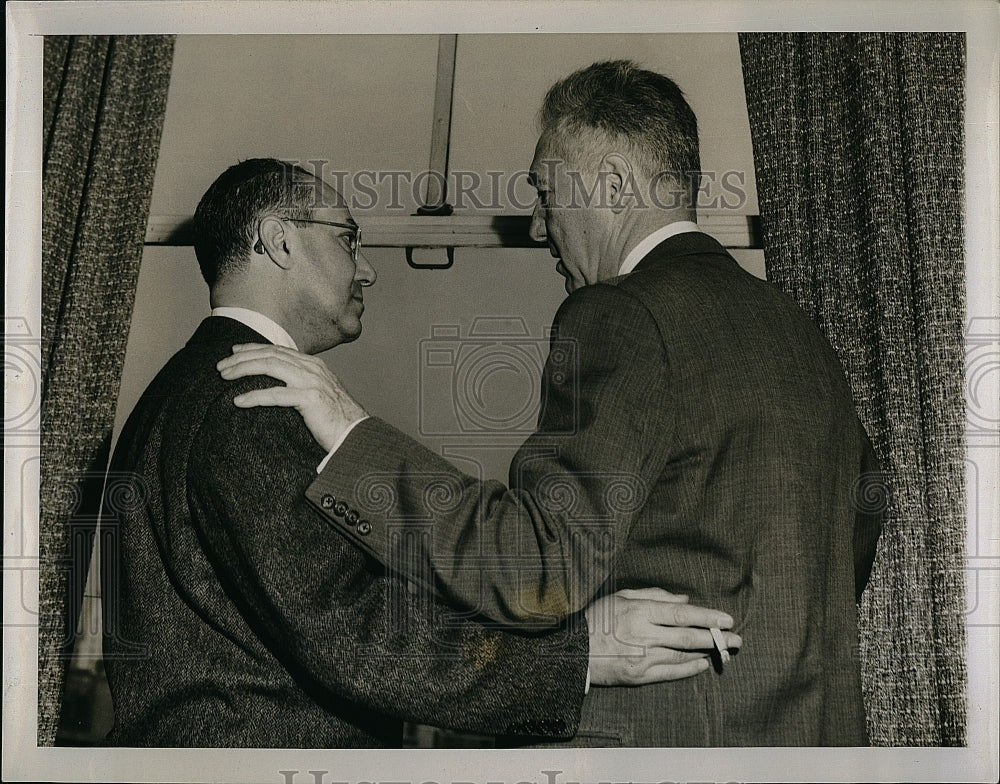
x=697, y=433
x=238, y=618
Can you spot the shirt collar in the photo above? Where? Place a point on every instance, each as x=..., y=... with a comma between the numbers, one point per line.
x=258, y=322
x=639, y=252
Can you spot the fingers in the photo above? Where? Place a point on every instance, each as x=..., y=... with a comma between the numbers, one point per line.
x=251, y=347
x=733, y=641
x=680, y=638
x=251, y=351
x=263, y=366
x=658, y=665
x=680, y=614
x=688, y=640
x=256, y=350
x=671, y=664
x=652, y=594
x=673, y=672
x=268, y=348
x=275, y=396
x=290, y=370
x=654, y=656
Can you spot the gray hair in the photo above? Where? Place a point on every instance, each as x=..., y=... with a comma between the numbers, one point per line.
x=623, y=105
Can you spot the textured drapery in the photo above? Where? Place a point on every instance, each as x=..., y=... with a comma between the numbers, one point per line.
x=104, y=101
x=858, y=144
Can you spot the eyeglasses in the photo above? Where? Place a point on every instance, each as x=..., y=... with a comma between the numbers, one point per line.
x=354, y=244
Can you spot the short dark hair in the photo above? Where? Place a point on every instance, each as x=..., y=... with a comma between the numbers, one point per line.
x=638, y=109
x=225, y=222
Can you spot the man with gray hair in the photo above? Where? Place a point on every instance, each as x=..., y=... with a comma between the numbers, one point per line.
x=702, y=437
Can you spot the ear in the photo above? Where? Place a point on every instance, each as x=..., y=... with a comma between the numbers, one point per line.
x=617, y=172
x=273, y=242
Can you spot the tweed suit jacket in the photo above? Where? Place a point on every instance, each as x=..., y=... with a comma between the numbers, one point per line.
x=239, y=618
x=696, y=433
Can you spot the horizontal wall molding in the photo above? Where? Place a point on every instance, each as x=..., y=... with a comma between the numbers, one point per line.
x=464, y=231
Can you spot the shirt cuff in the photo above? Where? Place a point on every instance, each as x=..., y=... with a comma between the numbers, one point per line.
x=586, y=686
x=340, y=441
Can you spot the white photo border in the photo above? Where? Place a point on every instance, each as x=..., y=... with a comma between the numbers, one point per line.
x=27, y=22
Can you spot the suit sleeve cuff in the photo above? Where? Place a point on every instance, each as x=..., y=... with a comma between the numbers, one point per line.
x=340, y=441
x=341, y=492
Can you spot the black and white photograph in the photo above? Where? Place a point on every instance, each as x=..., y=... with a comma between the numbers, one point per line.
x=464, y=391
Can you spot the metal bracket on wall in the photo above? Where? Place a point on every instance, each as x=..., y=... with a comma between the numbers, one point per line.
x=436, y=192
x=449, y=259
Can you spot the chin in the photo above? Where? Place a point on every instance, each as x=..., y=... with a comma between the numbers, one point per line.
x=350, y=334
x=338, y=336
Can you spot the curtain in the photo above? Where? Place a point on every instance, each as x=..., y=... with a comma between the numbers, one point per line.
x=103, y=106
x=858, y=145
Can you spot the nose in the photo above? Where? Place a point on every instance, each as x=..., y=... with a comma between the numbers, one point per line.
x=364, y=273
x=537, y=228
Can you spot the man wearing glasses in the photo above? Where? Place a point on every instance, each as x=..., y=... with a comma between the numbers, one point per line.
x=257, y=623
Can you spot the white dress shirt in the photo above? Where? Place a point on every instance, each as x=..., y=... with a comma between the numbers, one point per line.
x=260, y=323
x=638, y=253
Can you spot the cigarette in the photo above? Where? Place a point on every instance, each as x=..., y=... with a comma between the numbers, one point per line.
x=720, y=644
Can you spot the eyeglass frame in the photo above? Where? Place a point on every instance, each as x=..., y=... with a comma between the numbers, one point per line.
x=259, y=246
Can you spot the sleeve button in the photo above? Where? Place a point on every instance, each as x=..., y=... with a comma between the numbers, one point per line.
x=327, y=501
x=340, y=508
x=352, y=517
x=364, y=528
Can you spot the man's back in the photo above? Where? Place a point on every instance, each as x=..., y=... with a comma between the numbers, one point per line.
x=242, y=619
x=752, y=511
x=696, y=434
x=204, y=669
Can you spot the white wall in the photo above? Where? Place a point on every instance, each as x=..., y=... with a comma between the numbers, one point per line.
x=365, y=102
x=501, y=79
